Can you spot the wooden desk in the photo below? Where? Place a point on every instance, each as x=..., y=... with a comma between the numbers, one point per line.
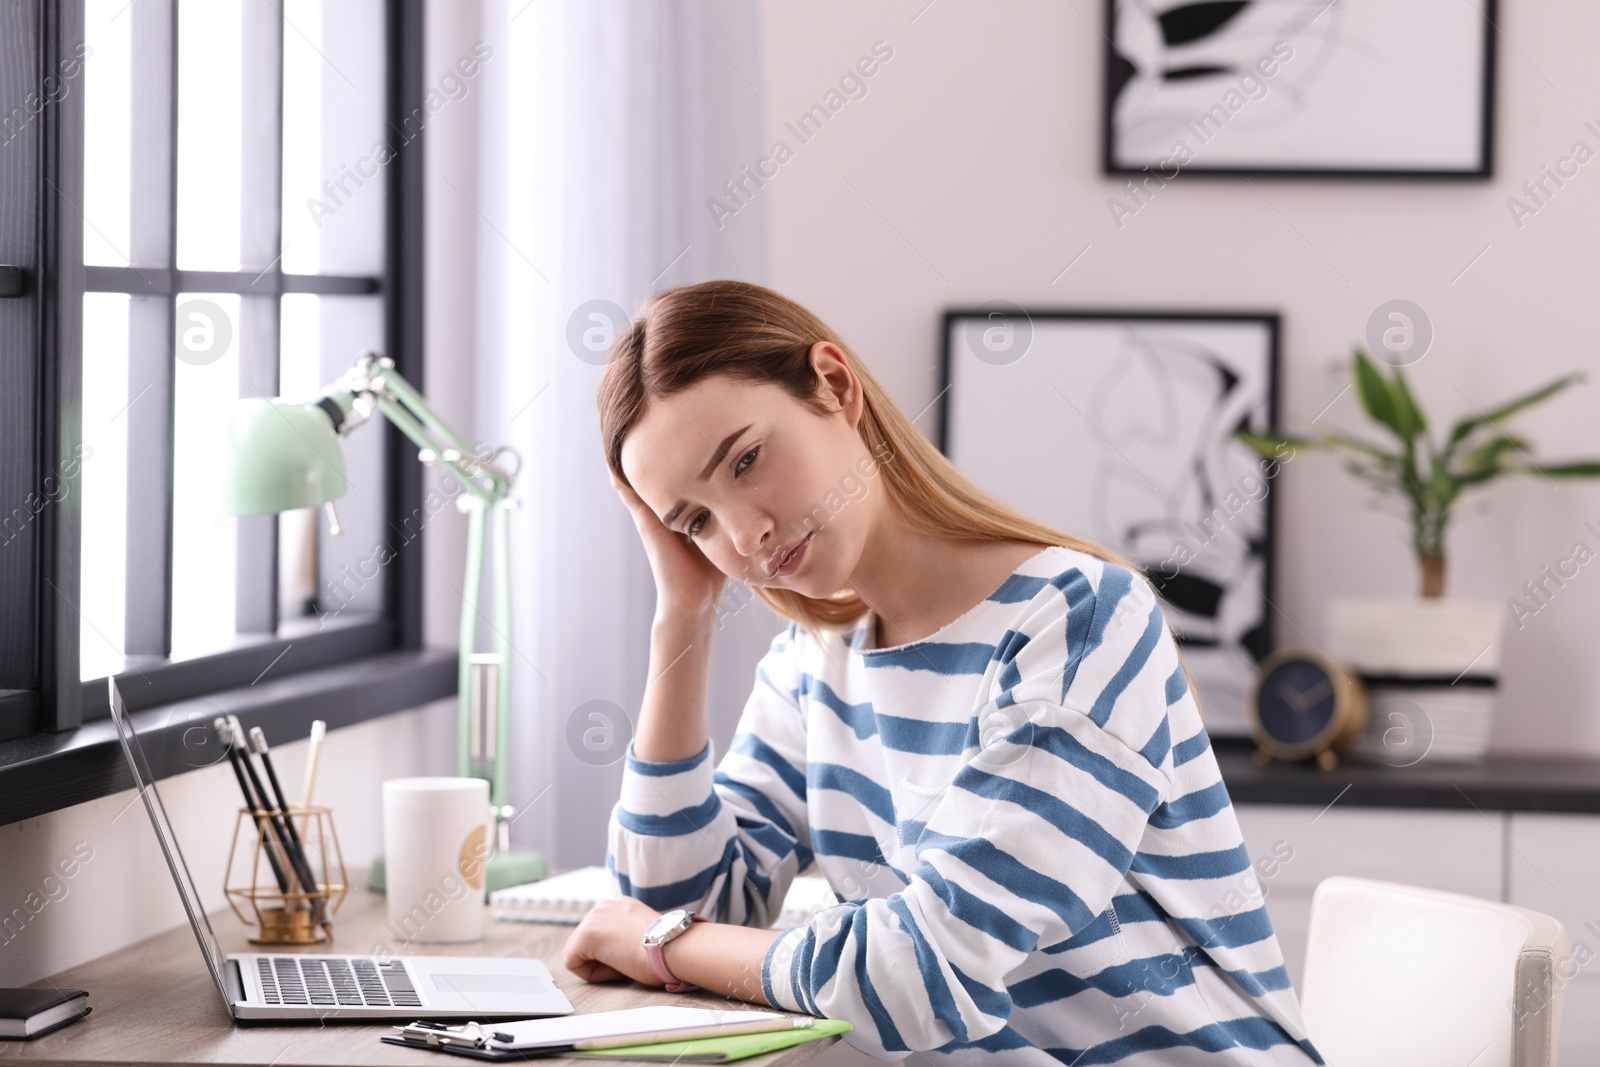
x=186, y=1022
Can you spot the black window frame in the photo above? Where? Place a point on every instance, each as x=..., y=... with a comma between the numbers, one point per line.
x=56, y=743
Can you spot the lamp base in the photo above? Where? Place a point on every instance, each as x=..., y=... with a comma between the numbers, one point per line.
x=517, y=866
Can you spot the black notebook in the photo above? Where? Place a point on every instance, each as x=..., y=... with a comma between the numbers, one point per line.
x=26, y=1013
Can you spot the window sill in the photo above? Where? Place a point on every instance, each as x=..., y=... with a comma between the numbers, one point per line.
x=47, y=772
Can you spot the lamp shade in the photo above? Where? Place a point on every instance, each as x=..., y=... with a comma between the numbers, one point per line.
x=281, y=456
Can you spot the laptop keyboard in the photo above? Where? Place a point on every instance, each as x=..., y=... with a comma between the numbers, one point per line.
x=335, y=981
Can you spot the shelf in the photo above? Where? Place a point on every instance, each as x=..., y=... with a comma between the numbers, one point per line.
x=1502, y=783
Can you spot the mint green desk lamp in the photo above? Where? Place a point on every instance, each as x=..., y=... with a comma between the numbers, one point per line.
x=285, y=456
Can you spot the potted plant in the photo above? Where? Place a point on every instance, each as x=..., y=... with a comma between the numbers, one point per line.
x=1431, y=664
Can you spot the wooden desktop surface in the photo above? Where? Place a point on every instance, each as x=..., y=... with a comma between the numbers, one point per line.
x=185, y=1022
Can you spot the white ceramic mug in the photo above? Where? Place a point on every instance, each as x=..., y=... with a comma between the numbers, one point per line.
x=436, y=834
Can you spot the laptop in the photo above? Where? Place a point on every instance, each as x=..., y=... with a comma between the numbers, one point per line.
x=330, y=987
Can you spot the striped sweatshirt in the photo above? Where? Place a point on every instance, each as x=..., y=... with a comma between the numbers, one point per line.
x=1035, y=856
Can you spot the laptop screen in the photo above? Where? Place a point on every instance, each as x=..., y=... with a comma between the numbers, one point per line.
x=169, y=842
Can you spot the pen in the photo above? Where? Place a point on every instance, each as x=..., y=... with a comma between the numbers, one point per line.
x=258, y=744
x=296, y=862
x=225, y=732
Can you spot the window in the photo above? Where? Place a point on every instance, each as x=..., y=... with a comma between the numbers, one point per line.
x=200, y=200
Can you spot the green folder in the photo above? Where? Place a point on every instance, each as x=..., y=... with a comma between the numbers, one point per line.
x=719, y=1049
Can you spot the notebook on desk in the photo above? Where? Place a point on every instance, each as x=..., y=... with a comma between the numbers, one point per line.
x=565, y=898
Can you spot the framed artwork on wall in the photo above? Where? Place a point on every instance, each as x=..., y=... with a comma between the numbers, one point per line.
x=1115, y=426
x=1353, y=88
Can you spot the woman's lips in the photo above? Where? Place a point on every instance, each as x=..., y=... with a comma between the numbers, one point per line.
x=789, y=563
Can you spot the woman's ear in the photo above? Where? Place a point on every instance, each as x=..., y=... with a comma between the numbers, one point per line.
x=837, y=385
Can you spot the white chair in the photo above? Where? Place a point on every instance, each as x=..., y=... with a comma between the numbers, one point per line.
x=1397, y=974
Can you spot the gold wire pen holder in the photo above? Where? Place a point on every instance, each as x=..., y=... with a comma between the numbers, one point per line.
x=295, y=916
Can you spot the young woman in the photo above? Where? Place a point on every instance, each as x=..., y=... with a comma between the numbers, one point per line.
x=977, y=728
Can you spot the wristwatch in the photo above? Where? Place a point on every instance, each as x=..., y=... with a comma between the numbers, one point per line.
x=660, y=932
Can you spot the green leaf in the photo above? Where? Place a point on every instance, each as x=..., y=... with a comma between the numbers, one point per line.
x=1487, y=460
x=1356, y=445
x=1405, y=406
x=1270, y=446
x=1368, y=474
x=1583, y=469
x=1375, y=394
x=1478, y=477
x=1410, y=480
x=1442, y=485
x=1467, y=425
x=1488, y=454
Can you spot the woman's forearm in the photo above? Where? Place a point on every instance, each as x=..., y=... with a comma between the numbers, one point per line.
x=672, y=717
x=721, y=958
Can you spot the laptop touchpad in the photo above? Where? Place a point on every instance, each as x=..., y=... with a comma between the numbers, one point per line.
x=490, y=983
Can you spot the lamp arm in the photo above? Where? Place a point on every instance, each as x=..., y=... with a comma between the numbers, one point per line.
x=451, y=459
x=375, y=383
x=401, y=391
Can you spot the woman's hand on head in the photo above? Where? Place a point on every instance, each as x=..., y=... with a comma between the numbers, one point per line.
x=687, y=583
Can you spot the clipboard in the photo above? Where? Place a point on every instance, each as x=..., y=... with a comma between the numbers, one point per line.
x=695, y=1050
x=465, y=1050
x=477, y=1053
x=642, y=1031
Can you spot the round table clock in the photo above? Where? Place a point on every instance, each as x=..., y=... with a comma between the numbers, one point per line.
x=1303, y=704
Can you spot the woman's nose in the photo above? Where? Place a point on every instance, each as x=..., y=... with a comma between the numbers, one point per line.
x=751, y=533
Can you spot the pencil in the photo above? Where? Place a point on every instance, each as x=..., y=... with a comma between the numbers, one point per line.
x=318, y=729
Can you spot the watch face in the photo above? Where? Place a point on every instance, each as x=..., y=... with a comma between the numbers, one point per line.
x=1296, y=702
x=663, y=927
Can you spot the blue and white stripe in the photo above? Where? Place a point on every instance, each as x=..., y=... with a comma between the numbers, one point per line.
x=1022, y=810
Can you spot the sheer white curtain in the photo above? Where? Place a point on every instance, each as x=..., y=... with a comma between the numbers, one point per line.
x=605, y=126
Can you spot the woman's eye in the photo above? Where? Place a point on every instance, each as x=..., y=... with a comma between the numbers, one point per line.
x=750, y=455
x=697, y=523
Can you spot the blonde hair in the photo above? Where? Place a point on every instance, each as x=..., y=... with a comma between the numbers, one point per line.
x=753, y=334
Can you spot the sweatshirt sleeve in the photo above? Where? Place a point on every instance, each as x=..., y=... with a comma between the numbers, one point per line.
x=725, y=843
x=1024, y=847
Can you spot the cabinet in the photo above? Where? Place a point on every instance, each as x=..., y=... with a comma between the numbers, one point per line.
x=1553, y=866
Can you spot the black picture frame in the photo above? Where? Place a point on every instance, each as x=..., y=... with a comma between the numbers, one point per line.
x=1116, y=72
x=974, y=399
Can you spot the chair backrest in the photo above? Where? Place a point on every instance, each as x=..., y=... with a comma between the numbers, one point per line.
x=1398, y=974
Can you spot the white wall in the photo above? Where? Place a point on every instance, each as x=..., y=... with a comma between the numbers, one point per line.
x=970, y=172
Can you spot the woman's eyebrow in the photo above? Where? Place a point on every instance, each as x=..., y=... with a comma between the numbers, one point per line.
x=705, y=475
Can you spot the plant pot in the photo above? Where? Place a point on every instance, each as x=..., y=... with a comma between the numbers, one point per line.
x=1431, y=668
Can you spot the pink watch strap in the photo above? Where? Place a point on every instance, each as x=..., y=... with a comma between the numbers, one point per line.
x=658, y=964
